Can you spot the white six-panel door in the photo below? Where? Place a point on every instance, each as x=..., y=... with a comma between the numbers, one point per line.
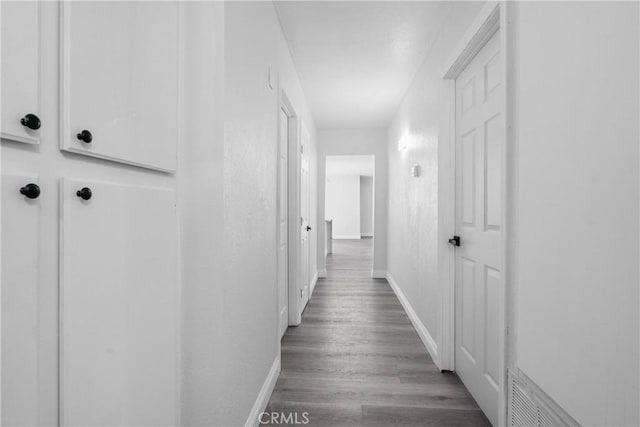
x=20, y=302
x=283, y=223
x=479, y=134
x=119, y=302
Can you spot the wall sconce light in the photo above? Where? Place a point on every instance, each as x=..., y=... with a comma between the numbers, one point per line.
x=415, y=171
x=402, y=143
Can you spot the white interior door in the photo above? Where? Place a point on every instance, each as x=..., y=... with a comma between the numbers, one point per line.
x=120, y=70
x=20, y=290
x=119, y=300
x=304, y=221
x=20, y=70
x=283, y=223
x=479, y=139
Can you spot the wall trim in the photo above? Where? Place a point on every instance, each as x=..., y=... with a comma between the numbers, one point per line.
x=366, y=235
x=478, y=34
x=420, y=328
x=378, y=274
x=312, y=286
x=265, y=393
x=347, y=237
x=322, y=273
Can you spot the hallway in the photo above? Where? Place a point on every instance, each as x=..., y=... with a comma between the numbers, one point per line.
x=357, y=360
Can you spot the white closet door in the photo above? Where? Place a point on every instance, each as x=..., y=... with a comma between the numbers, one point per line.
x=20, y=289
x=120, y=76
x=479, y=141
x=20, y=69
x=119, y=305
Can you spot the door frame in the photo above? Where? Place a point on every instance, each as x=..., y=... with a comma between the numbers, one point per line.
x=293, y=208
x=491, y=19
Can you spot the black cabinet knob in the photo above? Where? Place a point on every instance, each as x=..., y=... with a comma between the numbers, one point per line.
x=84, y=194
x=31, y=121
x=308, y=228
x=31, y=191
x=85, y=136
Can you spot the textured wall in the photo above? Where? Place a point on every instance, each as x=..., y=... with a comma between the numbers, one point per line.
x=418, y=232
x=228, y=205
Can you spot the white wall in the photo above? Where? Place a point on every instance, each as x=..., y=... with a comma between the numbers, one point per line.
x=366, y=206
x=249, y=342
x=356, y=142
x=418, y=231
x=576, y=205
x=201, y=204
x=342, y=205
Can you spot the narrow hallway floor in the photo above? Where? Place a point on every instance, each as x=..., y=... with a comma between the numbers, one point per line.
x=357, y=360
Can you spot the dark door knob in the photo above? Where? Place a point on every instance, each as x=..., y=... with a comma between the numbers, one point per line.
x=455, y=241
x=84, y=193
x=31, y=121
x=31, y=191
x=308, y=228
x=85, y=136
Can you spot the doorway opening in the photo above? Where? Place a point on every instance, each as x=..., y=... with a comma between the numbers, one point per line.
x=349, y=203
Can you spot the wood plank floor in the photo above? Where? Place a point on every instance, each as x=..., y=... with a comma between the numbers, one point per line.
x=357, y=360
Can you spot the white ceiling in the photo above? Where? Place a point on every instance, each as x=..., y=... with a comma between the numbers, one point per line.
x=356, y=59
x=350, y=165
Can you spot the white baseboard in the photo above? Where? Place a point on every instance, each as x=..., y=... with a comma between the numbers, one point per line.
x=265, y=394
x=378, y=274
x=322, y=273
x=347, y=237
x=312, y=286
x=366, y=235
x=422, y=331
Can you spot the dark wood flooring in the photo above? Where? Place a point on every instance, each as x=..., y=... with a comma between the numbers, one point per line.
x=357, y=360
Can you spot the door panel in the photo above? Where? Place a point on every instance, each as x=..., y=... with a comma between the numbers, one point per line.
x=20, y=291
x=304, y=213
x=283, y=223
x=479, y=141
x=120, y=70
x=20, y=68
x=119, y=305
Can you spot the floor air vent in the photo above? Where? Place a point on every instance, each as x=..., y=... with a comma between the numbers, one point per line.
x=531, y=407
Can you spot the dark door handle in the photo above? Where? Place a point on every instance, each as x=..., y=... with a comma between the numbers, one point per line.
x=308, y=228
x=455, y=241
x=31, y=121
x=85, y=136
x=30, y=191
x=84, y=193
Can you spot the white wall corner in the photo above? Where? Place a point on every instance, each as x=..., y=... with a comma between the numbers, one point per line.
x=265, y=394
x=378, y=274
x=312, y=286
x=322, y=273
x=421, y=329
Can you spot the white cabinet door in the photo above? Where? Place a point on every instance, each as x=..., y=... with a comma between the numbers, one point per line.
x=20, y=69
x=120, y=81
x=20, y=289
x=119, y=305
